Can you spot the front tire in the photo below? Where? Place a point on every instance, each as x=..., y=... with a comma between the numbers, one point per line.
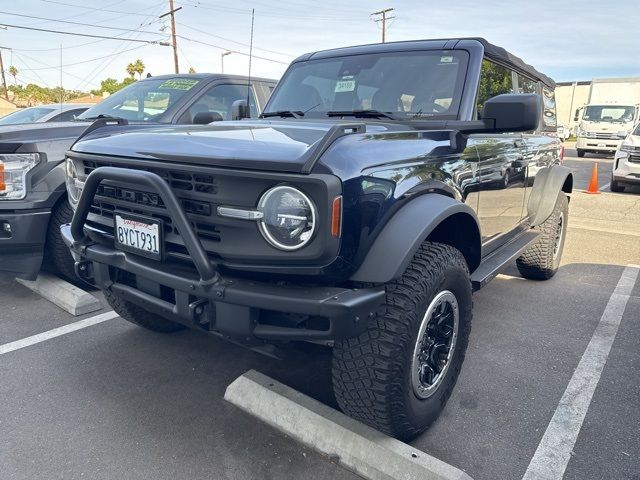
x=615, y=186
x=580, y=153
x=57, y=254
x=398, y=375
x=542, y=260
x=138, y=316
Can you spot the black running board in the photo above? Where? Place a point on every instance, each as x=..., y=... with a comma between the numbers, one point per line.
x=494, y=263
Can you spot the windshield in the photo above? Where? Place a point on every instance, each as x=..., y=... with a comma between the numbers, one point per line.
x=143, y=101
x=422, y=83
x=28, y=115
x=609, y=113
x=637, y=130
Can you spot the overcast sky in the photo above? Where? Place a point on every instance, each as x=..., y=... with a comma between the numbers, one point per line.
x=563, y=38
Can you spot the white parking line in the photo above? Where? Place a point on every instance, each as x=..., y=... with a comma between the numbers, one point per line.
x=554, y=451
x=56, y=332
x=605, y=186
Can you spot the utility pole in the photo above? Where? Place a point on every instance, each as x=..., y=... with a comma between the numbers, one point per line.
x=174, y=43
x=383, y=19
x=4, y=81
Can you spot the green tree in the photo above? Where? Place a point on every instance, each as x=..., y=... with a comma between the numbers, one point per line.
x=131, y=70
x=138, y=67
x=13, y=71
x=494, y=80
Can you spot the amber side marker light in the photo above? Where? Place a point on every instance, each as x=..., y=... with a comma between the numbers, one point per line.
x=3, y=186
x=336, y=217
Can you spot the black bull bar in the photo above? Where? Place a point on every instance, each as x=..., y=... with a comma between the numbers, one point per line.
x=231, y=306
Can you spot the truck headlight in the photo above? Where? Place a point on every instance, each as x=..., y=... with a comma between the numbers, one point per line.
x=289, y=218
x=74, y=185
x=626, y=148
x=13, y=174
x=582, y=133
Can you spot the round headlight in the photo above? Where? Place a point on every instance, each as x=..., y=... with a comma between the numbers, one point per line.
x=74, y=186
x=289, y=218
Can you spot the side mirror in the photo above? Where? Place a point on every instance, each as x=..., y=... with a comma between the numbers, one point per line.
x=204, y=118
x=239, y=110
x=513, y=112
x=575, y=118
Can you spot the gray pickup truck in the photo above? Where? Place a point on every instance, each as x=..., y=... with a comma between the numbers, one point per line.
x=33, y=198
x=381, y=186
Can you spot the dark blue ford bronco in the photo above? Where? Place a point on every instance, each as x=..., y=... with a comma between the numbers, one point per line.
x=381, y=186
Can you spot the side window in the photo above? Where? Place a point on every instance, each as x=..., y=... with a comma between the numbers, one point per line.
x=549, y=121
x=526, y=85
x=494, y=80
x=67, y=116
x=219, y=99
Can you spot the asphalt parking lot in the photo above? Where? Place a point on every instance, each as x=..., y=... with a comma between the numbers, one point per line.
x=115, y=401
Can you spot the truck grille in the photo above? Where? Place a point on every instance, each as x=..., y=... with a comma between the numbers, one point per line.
x=605, y=136
x=194, y=191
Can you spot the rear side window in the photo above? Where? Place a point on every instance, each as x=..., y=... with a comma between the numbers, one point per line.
x=549, y=121
x=494, y=80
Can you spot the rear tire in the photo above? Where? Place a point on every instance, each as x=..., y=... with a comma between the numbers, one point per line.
x=398, y=375
x=138, y=316
x=615, y=186
x=541, y=261
x=580, y=153
x=57, y=254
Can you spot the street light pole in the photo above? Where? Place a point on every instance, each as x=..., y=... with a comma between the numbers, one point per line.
x=222, y=55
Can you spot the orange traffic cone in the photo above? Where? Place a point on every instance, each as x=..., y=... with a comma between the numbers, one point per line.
x=593, y=183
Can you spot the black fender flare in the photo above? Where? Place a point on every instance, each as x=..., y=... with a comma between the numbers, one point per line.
x=549, y=181
x=399, y=240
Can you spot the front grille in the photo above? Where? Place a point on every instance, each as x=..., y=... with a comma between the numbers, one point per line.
x=634, y=157
x=605, y=136
x=195, y=191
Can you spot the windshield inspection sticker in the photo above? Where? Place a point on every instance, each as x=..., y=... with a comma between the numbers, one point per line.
x=446, y=59
x=179, y=83
x=345, y=84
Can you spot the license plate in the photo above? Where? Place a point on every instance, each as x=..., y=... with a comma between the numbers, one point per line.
x=602, y=145
x=138, y=234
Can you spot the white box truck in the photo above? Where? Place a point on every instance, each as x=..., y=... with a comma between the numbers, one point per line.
x=609, y=116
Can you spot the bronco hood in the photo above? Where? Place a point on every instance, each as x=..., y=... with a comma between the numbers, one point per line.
x=263, y=144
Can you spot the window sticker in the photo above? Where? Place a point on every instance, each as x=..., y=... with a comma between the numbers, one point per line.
x=179, y=83
x=345, y=84
x=447, y=59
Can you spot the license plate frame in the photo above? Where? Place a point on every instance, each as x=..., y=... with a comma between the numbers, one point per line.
x=143, y=222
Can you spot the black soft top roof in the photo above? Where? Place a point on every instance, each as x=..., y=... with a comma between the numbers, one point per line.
x=499, y=54
x=491, y=51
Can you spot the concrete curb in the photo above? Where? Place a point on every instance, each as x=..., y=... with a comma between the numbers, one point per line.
x=66, y=296
x=354, y=445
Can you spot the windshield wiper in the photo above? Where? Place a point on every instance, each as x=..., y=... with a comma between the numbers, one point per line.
x=97, y=117
x=283, y=113
x=361, y=114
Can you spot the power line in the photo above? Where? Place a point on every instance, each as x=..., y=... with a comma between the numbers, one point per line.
x=94, y=8
x=77, y=23
x=234, y=41
x=154, y=42
x=230, y=50
x=85, y=61
x=197, y=4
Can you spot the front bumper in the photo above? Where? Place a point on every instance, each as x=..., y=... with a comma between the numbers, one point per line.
x=22, y=239
x=598, y=145
x=244, y=310
x=626, y=168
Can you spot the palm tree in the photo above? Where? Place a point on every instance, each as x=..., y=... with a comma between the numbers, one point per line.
x=131, y=69
x=138, y=67
x=13, y=71
x=192, y=70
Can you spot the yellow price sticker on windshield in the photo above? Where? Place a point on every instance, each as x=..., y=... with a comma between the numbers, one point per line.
x=179, y=83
